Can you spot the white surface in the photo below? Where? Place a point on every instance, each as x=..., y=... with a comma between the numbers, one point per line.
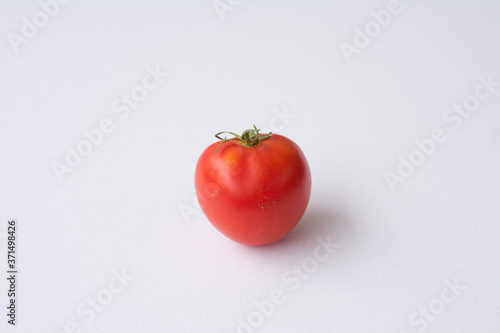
x=122, y=207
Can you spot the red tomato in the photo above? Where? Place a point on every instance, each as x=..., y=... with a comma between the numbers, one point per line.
x=255, y=188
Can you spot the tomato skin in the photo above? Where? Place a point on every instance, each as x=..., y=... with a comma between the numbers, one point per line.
x=253, y=195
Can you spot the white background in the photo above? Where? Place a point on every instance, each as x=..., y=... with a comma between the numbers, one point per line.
x=129, y=204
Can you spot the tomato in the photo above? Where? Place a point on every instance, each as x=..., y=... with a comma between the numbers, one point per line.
x=253, y=188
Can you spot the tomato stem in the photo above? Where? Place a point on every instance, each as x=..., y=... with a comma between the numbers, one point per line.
x=249, y=138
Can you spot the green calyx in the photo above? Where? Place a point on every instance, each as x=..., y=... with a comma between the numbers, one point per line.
x=249, y=138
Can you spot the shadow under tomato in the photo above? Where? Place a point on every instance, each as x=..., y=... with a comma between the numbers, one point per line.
x=316, y=222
